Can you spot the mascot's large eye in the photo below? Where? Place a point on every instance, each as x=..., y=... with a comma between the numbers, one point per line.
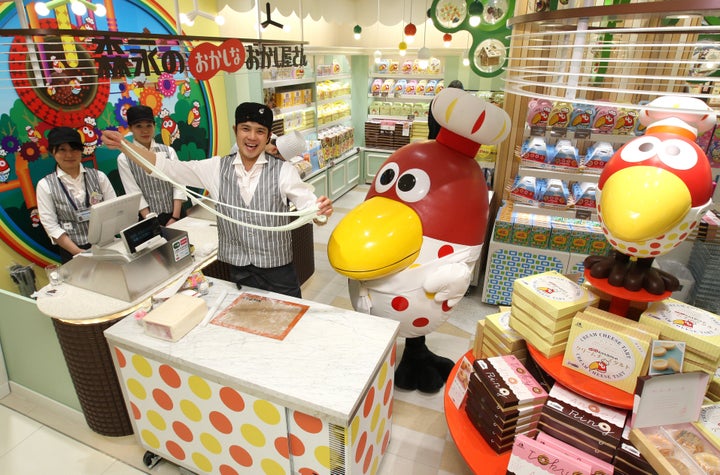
x=386, y=177
x=413, y=185
x=678, y=154
x=640, y=149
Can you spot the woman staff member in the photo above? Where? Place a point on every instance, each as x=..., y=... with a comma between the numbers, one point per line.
x=64, y=196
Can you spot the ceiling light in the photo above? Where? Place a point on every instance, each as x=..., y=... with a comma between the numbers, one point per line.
x=410, y=30
x=447, y=40
x=378, y=55
x=423, y=57
x=465, y=58
x=357, y=31
x=475, y=11
x=220, y=20
x=78, y=7
x=402, y=47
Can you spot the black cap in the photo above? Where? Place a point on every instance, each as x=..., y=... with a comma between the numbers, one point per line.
x=137, y=114
x=254, y=112
x=61, y=135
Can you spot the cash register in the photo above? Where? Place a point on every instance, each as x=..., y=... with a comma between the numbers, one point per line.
x=127, y=257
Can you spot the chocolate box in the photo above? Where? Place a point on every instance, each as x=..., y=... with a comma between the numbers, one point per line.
x=480, y=394
x=532, y=457
x=508, y=381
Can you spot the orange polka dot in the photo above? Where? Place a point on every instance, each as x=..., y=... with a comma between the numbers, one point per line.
x=360, y=447
x=297, y=448
x=182, y=431
x=136, y=412
x=386, y=442
x=232, y=399
x=368, y=459
x=220, y=422
x=683, y=236
x=307, y=471
x=400, y=304
x=175, y=450
x=388, y=392
x=390, y=408
x=445, y=250
x=309, y=424
x=369, y=401
x=241, y=456
x=420, y=322
x=162, y=399
x=169, y=376
x=282, y=447
x=120, y=357
x=227, y=470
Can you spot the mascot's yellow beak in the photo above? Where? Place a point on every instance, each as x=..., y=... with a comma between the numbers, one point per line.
x=641, y=203
x=377, y=238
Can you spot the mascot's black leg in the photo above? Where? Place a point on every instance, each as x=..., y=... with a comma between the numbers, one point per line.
x=420, y=368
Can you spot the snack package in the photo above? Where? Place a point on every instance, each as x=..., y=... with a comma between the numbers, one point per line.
x=394, y=67
x=420, y=88
x=604, y=119
x=411, y=86
x=534, y=150
x=598, y=155
x=564, y=154
x=387, y=86
x=416, y=67
x=581, y=116
x=539, y=112
x=584, y=194
x=407, y=66
x=553, y=191
x=560, y=115
x=639, y=128
x=434, y=66
x=383, y=66
x=418, y=109
x=430, y=88
x=396, y=109
x=524, y=188
x=400, y=86
x=440, y=86
x=374, y=108
x=625, y=122
x=376, y=86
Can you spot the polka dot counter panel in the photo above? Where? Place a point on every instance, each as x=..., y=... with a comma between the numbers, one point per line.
x=212, y=428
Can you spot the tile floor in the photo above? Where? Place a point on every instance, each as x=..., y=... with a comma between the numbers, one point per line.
x=40, y=437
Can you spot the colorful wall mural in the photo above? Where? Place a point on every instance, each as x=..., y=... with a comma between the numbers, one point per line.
x=88, y=82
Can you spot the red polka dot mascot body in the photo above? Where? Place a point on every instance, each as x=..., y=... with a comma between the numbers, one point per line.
x=652, y=193
x=409, y=249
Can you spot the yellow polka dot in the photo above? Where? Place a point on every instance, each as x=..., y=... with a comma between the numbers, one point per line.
x=267, y=412
x=382, y=375
x=414, y=266
x=354, y=428
x=202, y=462
x=142, y=366
x=380, y=432
x=156, y=420
x=150, y=439
x=668, y=245
x=210, y=443
x=190, y=410
x=374, y=468
x=430, y=295
x=621, y=246
x=684, y=226
x=322, y=455
x=375, y=417
x=672, y=237
x=643, y=252
x=136, y=388
x=199, y=387
x=271, y=467
x=253, y=435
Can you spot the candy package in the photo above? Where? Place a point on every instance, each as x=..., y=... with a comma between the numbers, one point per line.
x=598, y=155
x=553, y=191
x=539, y=112
x=523, y=189
x=581, y=116
x=625, y=122
x=584, y=194
x=604, y=119
x=560, y=115
x=564, y=154
x=534, y=150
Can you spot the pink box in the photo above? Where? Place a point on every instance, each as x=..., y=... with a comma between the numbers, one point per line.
x=530, y=457
x=597, y=465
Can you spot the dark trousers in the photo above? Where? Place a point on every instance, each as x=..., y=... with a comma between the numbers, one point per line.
x=282, y=280
x=66, y=256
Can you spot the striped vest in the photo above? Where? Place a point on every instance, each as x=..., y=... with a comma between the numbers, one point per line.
x=66, y=214
x=241, y=245
x=158, y=193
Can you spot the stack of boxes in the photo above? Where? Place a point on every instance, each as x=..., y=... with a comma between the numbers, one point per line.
x=503, y=400
x=698, y=328
x=499, y=339
x=543, y=306
x=387, y=134
x=590, y=426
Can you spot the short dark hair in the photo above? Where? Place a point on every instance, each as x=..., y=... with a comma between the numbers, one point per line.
x=456, y=84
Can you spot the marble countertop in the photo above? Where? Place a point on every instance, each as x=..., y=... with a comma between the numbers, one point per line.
x=323, y=366
x=69, y=302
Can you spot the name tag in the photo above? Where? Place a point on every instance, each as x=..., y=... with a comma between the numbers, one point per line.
x=82, y=215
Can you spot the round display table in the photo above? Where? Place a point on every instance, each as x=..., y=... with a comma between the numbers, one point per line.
x=621, y=297
x=477, y=453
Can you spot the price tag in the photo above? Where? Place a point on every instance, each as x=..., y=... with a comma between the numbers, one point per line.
x=558, y=132
x=406, y=129
x=537, y=131
x=582, y=133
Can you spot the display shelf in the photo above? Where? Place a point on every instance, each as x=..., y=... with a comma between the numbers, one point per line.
x=471, y=445
x=344, y=97
x=334, y=77
x=580, y=383
x=402, y=97
x=406, y=75
x=576, y=175
x=268, y=83
x=287, y=110
x=342, y=120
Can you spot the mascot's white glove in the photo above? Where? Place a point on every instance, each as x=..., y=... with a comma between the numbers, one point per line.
x=449, y=282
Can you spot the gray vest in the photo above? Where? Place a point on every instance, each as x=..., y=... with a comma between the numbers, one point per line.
x=241, y=245
x=66, y=213
x=158, y=193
